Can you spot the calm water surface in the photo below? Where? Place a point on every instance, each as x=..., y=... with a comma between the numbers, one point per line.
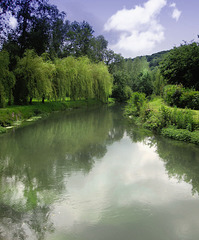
x=86, y=175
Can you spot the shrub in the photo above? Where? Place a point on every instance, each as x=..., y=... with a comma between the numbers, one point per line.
x=153, y=122
x=181, y=134
x=178, y=134
x=189, y=99
x=176, y=95
x=172, y=94
x=2, y=130
x=136, y=105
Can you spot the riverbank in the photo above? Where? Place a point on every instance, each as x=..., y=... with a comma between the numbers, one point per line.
x=16, y=115
x=172, y=122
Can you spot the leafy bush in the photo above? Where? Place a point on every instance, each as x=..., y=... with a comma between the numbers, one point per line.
x=181, y=134
x=172, y=94
x=189, y=99
x=176, y=95
x=153, y=122
x=2, y=130
x=136, y=105
x=181, y=119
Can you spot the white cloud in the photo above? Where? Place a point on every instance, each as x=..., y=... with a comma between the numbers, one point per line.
x=139, y=27
x=176, y=13
x=173, y=5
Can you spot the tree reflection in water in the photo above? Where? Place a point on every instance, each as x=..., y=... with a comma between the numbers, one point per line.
x=35, y=160
x=181, y=159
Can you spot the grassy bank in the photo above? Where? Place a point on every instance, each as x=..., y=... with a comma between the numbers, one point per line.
x=172, y=122
x=15, y=115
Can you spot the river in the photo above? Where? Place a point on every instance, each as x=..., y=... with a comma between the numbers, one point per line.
x=86, y=174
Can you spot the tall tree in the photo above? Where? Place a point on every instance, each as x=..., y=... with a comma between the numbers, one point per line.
x=78, y=40
x=7, y=80
x=181, y=65
x=40, y=26
x=97, y=49
x=33, y=78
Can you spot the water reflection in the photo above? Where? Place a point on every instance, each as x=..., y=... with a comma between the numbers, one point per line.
x=87, y=175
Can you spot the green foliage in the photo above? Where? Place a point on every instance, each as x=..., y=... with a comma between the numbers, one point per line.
x=189, y=99
x=33, y=78
x=139, y=75
x=7, y=80
x=153, y=122
x=2, y=130
x=155, y=59
x=158, y=82
x=102, y=81
x=182, y=119
x=97, y=50
x=181, y=134
x=136, y=105
x=144, y=82
x=44, y=30
x=176, y=95
x=78, y=39
x=163, y=118
x=172, y=94
x=181, y=65
x=114, y=61
x=79, y=78
x=121, y=91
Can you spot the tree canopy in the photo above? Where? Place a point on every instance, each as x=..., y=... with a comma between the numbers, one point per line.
x=181, y=65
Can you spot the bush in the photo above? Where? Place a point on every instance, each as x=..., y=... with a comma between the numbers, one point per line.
x=2, y=130
x=172, y=94
x=153, y=122
x=189, y=99
x=181, y=134
x=181, y=119
x=176, y=95
x=136, y=105
x=121, y=94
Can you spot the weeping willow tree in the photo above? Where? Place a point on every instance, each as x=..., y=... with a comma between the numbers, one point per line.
x=7, y=79
x=78, y=78
x=102, y=82
x=84, y=78
x=44, y=83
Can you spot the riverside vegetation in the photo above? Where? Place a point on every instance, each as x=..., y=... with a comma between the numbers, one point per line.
x=49, y=59
x=172, y=122
x=172, y=108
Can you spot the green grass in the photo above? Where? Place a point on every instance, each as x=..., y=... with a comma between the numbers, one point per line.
x=15, y=114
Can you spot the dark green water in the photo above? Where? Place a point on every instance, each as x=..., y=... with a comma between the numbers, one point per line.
x=88, y=176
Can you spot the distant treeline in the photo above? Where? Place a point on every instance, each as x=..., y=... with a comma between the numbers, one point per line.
x=46, y=56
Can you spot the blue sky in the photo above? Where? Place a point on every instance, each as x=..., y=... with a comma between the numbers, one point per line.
x=137, y=27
